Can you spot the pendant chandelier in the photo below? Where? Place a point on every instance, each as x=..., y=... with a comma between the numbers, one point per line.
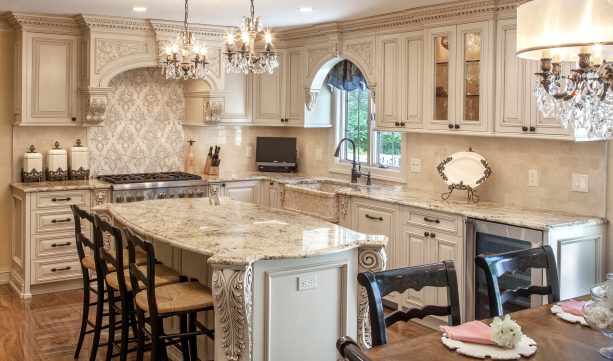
x=185, y=58
x=243, y=56
x=555, y=31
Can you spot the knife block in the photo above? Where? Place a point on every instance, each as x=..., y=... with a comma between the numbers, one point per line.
x=207, y=164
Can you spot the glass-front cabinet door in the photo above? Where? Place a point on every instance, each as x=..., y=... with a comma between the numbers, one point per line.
x=439, y=97
x=459, y=63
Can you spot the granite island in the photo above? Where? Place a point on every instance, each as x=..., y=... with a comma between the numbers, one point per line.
x=283, y=284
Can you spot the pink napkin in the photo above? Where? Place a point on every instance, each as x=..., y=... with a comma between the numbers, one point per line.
x=573, y=306
x=473, y=331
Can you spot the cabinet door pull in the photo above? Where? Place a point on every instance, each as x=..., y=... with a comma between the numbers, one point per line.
x=402, y=124
x=61, y=220
x=67, y=199
x=428, y=219
x=61, y=244
x=375, y=218
x=532, y=129
x=524, y=128
x=432, y=235
x=457, y=126
x=426, y=234
x=450, y=126
x=67, y=268
x=397, y=124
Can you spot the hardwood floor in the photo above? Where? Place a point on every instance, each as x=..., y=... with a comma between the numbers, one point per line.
x=47, y=327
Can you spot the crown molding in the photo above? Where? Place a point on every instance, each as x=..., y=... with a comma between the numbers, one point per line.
x=40, y=22
x=420, y=16
x=111, y=23
x=167, y=27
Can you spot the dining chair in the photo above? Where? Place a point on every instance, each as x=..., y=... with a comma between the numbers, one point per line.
x=380, y=284
x=350, y=350
x=496, y=265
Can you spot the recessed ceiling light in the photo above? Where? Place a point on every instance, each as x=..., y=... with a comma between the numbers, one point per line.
x=139, y=9
x=305, y=9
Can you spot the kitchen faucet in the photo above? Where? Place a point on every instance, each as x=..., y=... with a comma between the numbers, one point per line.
x=355, y=167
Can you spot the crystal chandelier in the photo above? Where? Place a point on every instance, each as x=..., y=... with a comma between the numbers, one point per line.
x=554, y=31
x=185, y=58
x=242, y=56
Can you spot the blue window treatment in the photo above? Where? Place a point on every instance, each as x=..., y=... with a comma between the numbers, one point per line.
x=347, y=76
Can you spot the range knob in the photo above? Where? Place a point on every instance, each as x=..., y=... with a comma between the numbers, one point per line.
x=129, y=198
x=119, y=199
x=181, y=194
x=172, y=195
x=190, y=194
x=161, y=195
x=199, y=193
x=140, y=197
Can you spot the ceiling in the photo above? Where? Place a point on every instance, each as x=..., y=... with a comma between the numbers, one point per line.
x=275, y=13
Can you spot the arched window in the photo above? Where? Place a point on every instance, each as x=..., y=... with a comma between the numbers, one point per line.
x=355, y=120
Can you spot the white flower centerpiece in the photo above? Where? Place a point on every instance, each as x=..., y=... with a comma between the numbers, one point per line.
x=506, y=333
x=598, y=313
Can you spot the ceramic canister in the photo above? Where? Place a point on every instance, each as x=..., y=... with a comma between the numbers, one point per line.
x=79, y=157
x=32, y=160
x=57, y=158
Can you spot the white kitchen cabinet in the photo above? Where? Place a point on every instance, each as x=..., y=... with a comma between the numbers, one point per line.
x=46, y=82
x=459, y=77
x=412, y=250
x=516, y=111
x=374, y=217
x=400, y=66
x=294, y=87
x=242, y=191
x=271, y=194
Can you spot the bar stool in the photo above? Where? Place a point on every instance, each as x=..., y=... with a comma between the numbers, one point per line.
x=183, y=299
x=92, y=282
x=119, y=281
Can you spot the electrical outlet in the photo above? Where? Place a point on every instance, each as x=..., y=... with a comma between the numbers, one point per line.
x=307, y=282
x=297, y=153
x=579, y=183
x=533, y=178
x=319, y=154
x=249, y=151
x=415, y=165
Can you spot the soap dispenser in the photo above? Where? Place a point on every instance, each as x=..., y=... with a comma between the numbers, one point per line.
x=189, y=160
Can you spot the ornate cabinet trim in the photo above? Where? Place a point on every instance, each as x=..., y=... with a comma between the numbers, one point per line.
x=373, y=260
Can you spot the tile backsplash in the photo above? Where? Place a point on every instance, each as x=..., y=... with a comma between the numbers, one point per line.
x=143, y=131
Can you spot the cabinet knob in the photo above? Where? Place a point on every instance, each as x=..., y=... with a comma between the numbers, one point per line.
x=223, y=185
x=524, y=128
x=271, y=183
x=426, y=234
x=450, y=126
x=282, y=120
x=532, y=129
x=432, y=235
x=397, y=124
x=457, y=126
x=402, y=124
x=74, y=119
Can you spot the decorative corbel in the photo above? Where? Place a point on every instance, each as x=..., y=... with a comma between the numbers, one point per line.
x=310, y=97
x=95, y=101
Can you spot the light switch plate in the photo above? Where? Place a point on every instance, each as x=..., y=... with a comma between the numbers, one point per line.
x=579, y=183
x=249, y=151
x=307, y=282
x=533, y=178
x=415, y=165
x=319, y=154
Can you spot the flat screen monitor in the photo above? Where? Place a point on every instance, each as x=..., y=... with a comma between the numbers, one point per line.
x=275, y=150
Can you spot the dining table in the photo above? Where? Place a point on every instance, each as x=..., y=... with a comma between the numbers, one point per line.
x=555, y=338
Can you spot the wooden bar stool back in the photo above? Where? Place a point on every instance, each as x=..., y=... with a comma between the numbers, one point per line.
x=114, y=273
x=92, y=281
x=380, y=284
x=184, y=299
x=497, y=265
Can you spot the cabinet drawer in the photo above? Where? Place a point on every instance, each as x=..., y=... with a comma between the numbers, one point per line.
x=56, y=270
x=60, y=220
x=375, y=221
x=46, y=246
x=61, y=199
x=442, y=222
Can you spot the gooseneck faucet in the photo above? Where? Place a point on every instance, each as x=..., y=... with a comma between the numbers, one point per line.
x=355, y=166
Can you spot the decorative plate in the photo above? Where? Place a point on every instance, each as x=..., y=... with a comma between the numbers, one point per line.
x=526, y=348
x=569, y=317
x=467, y=169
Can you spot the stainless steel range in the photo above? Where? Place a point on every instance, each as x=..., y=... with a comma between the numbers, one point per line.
x=147, y=186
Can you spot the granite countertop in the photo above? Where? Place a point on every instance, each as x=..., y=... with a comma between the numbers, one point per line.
x=60, y=186
x=236, y=233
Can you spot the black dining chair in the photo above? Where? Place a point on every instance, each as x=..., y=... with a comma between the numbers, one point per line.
x=496, y=265
x=380, y=284
x=350, y=350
